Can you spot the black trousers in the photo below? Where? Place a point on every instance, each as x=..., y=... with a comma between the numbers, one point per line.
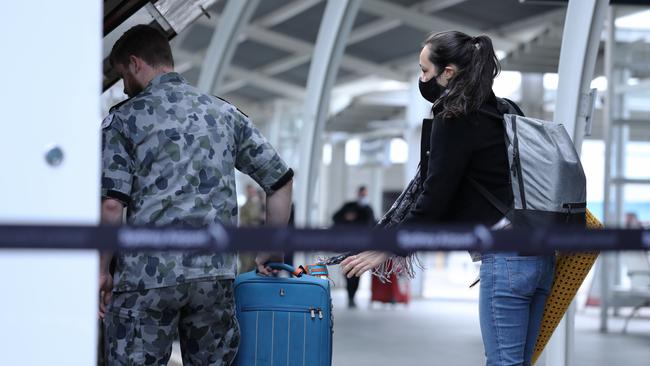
x=352, y=286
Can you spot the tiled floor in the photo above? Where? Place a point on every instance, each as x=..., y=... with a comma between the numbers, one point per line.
x=438, y=332
x=445, y=332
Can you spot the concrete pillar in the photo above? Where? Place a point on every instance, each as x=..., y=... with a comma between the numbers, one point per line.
x=330, y=44
x=532, y=94
x=51, y=176
x=417, y=109
x=580, y=43
x=375, y=188
x=221, y=50
x=338, y=178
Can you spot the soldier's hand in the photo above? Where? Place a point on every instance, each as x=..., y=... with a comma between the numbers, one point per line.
x=105, y=292
x=263, y=258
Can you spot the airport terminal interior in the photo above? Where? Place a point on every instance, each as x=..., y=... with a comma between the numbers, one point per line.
x=359, y=124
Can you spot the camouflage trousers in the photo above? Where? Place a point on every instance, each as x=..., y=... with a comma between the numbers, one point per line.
x=140, y=326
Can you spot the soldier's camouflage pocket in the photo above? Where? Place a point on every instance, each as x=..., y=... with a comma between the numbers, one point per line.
x=123, y=340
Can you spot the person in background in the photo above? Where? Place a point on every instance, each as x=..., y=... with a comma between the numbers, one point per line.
x=356, y=212
x=251, y=214
x=632, y=221
x=169, y=155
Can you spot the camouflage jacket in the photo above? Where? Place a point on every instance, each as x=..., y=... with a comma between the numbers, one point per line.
x=170, y=154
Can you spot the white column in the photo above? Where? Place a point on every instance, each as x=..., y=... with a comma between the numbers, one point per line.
x=275, y=123
x=223, y=44
x=580, y=42
x=608, y=138
x=375, y=189
x=609, y=115
x=338, y=178
x=48, y=312
x=330, y=44
x=417, y=109
x=532, y=94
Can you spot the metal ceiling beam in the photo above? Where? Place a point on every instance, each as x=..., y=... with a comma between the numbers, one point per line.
x=427, y=23
x=269, y=84
x=373, y=29
x=388, y=23
x=641, y=87
x=291, y=44
x=286, y=12
x=433, y=6
x=393, y=98
x=261, y=81
x=549, y=19
x=221, y=50
x=532, y=69
x=544, y=59
x=304, y=51
x=286, y=64
x=328, y=54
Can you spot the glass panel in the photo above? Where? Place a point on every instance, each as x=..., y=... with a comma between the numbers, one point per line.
x=636, y=203
x=637, y=160
x=593, y=162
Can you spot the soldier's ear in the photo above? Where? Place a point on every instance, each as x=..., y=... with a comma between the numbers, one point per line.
x=135, y=64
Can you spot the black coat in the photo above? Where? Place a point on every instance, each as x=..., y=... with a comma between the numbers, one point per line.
x=453, y=150
x=354, y=213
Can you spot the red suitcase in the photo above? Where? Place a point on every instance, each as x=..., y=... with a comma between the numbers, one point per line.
x=395, y=291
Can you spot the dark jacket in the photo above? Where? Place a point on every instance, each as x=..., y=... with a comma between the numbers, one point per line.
x=453, y=150
x=354, y=213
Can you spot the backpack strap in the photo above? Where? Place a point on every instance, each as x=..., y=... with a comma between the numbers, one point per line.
x=513, y=105
x=504, y=106
x=505, y=210
x=509, y=107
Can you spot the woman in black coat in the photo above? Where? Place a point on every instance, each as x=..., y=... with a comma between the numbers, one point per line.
x=464, y=147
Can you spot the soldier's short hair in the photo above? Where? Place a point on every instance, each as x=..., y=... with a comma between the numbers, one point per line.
x=145, y=42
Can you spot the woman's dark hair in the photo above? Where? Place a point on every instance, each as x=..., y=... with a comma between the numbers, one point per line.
x=143, y=41
x=477, y=65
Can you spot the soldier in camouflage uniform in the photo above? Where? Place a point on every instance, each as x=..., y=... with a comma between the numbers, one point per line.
x=169, y=157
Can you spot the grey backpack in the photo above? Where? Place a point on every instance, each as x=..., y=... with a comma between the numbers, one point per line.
x=547, y=179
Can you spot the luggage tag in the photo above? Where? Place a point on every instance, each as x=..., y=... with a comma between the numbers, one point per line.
x=316, y=270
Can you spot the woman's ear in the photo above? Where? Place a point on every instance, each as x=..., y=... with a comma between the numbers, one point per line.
x=450, y=72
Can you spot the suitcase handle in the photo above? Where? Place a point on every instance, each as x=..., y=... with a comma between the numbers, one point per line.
x=286, y=267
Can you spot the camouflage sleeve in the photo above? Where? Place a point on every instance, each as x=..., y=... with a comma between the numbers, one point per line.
x=117, y=164
x=257, y=158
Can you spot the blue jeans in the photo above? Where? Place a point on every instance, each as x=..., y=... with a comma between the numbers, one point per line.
x=513, y=292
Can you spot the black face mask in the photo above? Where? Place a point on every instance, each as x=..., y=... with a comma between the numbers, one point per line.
x=431, y=90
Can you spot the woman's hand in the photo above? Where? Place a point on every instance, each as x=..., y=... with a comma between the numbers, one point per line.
x=356, y=265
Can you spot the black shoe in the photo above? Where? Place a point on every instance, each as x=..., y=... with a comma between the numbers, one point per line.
x=352, y=304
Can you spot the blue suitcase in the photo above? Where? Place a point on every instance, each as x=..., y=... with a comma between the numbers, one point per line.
x=283, y=321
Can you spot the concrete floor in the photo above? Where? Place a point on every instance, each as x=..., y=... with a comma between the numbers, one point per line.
x=446, y=332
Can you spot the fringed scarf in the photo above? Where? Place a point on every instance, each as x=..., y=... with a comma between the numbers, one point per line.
x=398, y=265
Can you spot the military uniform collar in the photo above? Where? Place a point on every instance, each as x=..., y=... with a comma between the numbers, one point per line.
x=170, y=77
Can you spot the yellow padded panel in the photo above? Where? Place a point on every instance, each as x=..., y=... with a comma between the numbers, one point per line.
x=570, y=271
